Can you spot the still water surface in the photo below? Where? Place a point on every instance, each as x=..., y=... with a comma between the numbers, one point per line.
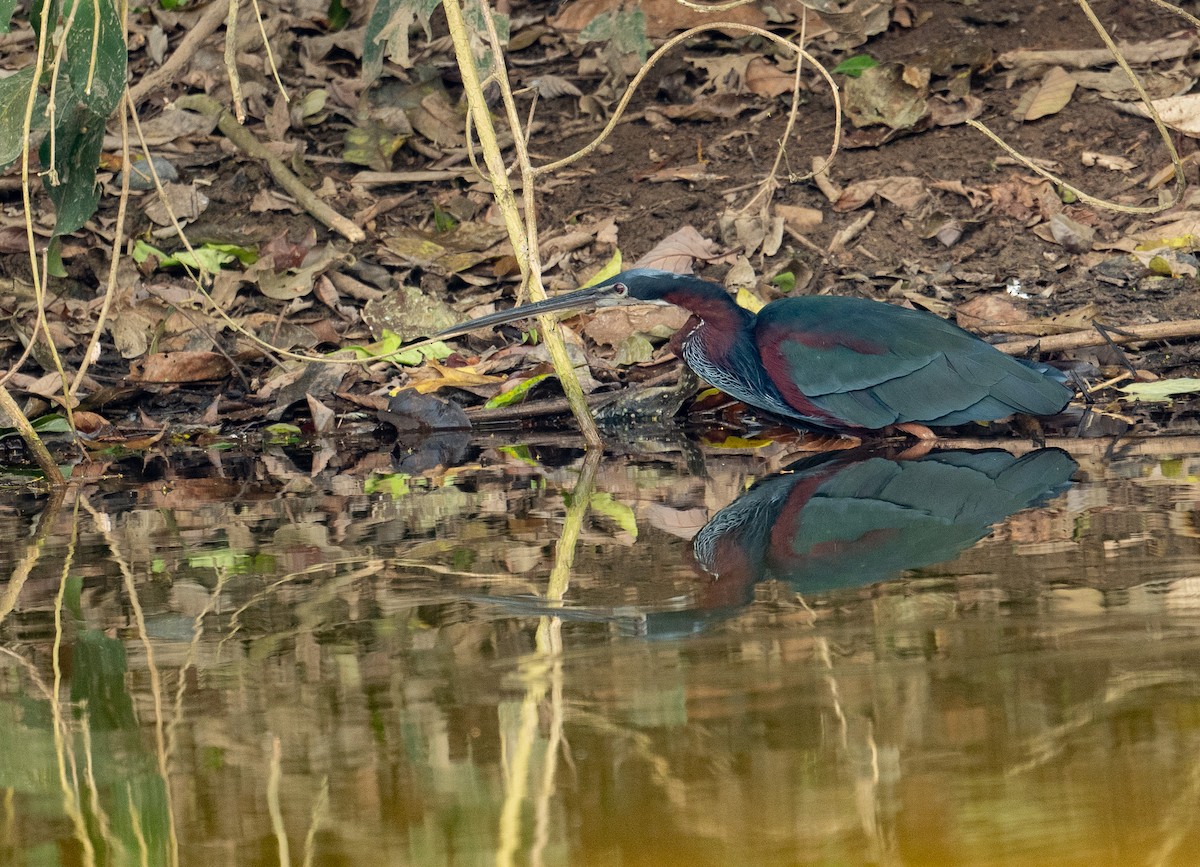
x=309, y=657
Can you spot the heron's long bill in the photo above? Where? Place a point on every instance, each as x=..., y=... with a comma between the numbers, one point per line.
x=589, y=297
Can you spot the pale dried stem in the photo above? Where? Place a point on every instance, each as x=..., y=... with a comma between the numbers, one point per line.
x=114, y=261
x=667, y=47
x=156, y=687
x=1171, y=7
x=520, y=230
x=715, y=7
x=230, y=57
x=262, y=30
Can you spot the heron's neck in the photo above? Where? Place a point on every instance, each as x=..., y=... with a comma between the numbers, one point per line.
x=717, y=322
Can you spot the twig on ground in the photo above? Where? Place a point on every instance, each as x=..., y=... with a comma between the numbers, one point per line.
x=204, y=27
x=1127, y=334
x=250, y=145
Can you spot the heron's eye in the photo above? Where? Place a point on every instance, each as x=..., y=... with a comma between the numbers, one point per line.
x=621, y=288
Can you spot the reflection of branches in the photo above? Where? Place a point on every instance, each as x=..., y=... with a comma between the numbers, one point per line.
x=274, y=772
x=33, y=552
x=1045, y=746
x=68, y=776
x=104, y=525
x=541, y=673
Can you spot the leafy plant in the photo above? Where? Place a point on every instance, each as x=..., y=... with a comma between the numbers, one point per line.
x=73, y=96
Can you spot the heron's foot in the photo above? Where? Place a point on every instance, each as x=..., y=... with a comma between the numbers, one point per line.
x=917, y=430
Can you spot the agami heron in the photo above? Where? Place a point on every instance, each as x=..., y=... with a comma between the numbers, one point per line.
x=830, y=363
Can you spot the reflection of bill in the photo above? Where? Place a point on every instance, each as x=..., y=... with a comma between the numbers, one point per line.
x=846, y=519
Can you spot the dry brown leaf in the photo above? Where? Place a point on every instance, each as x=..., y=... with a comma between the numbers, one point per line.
x=726, y=72
x=993, y=309
x=678, y=251
x=945, y=113
x=719, y=106
x=323, y=417
x=882, y=96
x=799, y=218
x=1047, y=97
x=553, y=86
x=1180, y=113
x=1176, y=226
x=764, y=78
x=452, y=377
x=611, y=326
x=1136, y=53
x=663, y=17
x=691, y=173
x=185, y=200
x=184, y=366
x=906, y=193
x=1112, y=162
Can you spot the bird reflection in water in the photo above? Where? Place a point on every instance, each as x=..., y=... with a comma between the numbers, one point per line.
x=841, y=520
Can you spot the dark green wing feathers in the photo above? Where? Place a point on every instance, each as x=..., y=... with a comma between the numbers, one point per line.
x=871, y=365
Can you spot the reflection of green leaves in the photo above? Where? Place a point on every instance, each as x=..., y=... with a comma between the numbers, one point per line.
x=521, y=453
x=624, y=29
x=394, y=485
x=515, y=395
x=603, y=504
x=282, y=433
x=1162, y=390
x=230, y=562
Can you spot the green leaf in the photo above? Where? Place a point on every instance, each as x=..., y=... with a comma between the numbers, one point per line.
x=602, y=503
x=6, y=13
x=515, y=395
x=625, y=29
x=53, y=423
x=208, y=258
x=14, y=91
x=786, y=281
x=54, y=262
x=443, y=220
x=1162, y=390
x=389, y=346
x=386, y=33
x=71, y=184
x=89, y=82
x=856, y=65
x=339, y=15
x=611, y=269
x=282, y=432
x=98, y=81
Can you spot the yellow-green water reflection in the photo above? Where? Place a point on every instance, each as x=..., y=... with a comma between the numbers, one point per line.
x=257, y=656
